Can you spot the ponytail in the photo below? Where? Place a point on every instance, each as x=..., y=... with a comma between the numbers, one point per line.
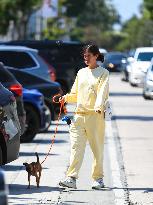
x=100, y=57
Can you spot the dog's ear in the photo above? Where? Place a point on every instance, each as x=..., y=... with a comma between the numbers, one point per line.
x=25, y=164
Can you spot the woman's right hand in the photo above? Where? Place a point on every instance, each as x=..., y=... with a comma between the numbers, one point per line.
x=62, y=99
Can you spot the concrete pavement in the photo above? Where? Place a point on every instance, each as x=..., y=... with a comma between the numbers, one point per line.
x=53, y=171
x=133, y=123
x=127, y=165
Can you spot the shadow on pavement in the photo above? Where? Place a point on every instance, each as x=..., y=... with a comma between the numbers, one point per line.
x=124, y=94
x=144, y=189
x=16, y=167
x=30, y=154
x=12, y=167
x=46, y=141
x=19, y=189
x=58, y=131
x=134, y=117
x=76, y=202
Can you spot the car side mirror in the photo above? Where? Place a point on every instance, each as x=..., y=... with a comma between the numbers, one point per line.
x=130, y=59
x=124, y=60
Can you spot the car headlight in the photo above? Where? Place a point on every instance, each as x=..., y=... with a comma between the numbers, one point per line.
x=111, y=65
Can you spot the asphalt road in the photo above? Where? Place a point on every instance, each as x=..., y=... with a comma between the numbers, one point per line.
x=128, y=161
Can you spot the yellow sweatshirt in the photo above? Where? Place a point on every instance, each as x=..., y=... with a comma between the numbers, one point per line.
x=90, y=89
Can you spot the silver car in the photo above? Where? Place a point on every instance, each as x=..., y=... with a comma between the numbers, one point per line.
x=139, y=66
x=148, y=83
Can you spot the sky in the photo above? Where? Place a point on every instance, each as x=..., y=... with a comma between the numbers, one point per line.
x=127, y=8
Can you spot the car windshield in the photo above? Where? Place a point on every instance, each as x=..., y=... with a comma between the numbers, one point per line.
x=146, y=56
x=112, y=57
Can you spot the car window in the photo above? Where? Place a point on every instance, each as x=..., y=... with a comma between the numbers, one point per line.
x=63, y=54
x=146, y=56
x=112, y=57
x=6, y=76
x=131, y=53
x=15, y=59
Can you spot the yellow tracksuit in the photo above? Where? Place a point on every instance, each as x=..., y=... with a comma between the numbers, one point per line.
x=90, y=91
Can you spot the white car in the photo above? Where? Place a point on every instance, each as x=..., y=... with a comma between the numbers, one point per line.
x=139, y=65
x=148, y=83
x=103, y=50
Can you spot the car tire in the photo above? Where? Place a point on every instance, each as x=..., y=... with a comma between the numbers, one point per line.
x=1, y=157
x=133, y=84
x=48, y=120
x=32, y=124
x=145, y=96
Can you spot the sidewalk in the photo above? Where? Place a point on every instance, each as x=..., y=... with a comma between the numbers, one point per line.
x=53, y=171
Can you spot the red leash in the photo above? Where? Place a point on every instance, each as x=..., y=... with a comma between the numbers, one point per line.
x=59, y=115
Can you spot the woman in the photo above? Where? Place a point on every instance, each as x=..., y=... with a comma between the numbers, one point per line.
x=90, y=91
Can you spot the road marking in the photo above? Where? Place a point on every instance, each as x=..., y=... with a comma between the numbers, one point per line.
x=114, y=166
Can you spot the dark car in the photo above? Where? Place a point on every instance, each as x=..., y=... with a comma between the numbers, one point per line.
x=65, y=57
x=9, y=151
x=37, y=117
x=113, y=61
x=3, y=189
x=48, y=89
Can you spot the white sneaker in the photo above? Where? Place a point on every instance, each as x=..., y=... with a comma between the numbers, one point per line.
x=69, y=182
x=98, y=184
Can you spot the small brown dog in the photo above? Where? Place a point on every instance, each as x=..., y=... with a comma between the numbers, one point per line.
x=34, y=169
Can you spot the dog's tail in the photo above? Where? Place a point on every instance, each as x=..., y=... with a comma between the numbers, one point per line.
x=37, y=156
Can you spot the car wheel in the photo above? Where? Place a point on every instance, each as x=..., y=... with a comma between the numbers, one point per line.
x=1, y=157
x=48, y=119
x=133, y=84
x=145, y=96
x=32, y=124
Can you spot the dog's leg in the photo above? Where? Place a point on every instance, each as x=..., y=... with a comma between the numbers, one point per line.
x=29, y=181
x=37, y=180
x=39, y=176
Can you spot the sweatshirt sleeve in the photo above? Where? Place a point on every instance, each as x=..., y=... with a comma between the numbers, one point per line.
x=72, y=96
x=102, y=92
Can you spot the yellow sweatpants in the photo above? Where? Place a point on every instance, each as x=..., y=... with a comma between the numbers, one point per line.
x=89, y=127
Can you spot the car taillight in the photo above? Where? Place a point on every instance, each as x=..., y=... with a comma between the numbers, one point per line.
x=17, y=89
x=51, y=70
x=52, y=75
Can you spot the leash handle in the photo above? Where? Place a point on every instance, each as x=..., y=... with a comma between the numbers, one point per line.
x=59, y=115
x=56, y=98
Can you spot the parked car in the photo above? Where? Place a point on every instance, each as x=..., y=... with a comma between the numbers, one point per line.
x=126, y=65
x=113, y=61
x=48, y=89
x=148, y=83
x=3, y=189
x=24, y=58
x=139, y=65
x=126, y=68
x=65, y=57
x=38, y=118
x=9, y=151
x=103, y=50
